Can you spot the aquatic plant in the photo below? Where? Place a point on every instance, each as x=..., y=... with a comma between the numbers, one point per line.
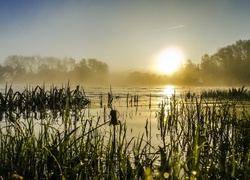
x=37, y=101
x=240, y=94
x=199, y=139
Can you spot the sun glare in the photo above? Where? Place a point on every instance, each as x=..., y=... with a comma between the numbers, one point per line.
x=169, y=90
x=169, y=61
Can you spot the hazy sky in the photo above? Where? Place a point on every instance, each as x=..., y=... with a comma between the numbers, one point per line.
x=126, y=34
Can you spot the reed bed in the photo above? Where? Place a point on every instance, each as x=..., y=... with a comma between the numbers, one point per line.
x=37, y=101
x=199, y=139
x=206, y=140
x=241, y=94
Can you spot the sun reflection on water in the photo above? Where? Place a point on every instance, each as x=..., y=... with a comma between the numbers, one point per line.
x=169, y=91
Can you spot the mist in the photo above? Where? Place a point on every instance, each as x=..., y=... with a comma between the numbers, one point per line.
x=226, y=67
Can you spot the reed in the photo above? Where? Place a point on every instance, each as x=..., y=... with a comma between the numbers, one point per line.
x=67, y=150
x=199, y=139
x=204, y=139
x=235, y=94
x=37, y=101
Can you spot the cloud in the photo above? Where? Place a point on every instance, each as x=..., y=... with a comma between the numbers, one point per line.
x=172, y=27
x=176, y=27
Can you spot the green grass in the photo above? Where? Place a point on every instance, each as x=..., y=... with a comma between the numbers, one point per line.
x=200, y=139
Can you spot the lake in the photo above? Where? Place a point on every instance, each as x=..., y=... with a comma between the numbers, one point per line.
x=188, y=135
x=136, y=114
x=137, y=107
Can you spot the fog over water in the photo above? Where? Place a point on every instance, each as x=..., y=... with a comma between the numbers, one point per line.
x=226, y=67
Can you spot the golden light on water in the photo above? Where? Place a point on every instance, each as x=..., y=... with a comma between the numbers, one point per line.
x=169, y=90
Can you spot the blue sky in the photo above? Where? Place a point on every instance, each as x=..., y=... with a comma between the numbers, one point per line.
x=124, y=34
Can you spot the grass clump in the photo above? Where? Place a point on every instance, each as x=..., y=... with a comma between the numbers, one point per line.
x=206, y=140
x=199, y=139
x=73, y=147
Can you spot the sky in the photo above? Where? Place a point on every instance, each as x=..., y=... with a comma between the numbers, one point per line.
x=125, y=34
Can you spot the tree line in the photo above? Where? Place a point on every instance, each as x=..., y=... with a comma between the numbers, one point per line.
x=228, y=66
x=34, y=69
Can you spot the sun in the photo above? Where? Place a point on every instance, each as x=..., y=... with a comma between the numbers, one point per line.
x=169, y=61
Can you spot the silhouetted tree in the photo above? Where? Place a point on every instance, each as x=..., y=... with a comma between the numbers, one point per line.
x=229, y=65
x=97, y=66
x=209, y=69
x=190, y=74
x=51, y=69
x=2, y=73
x=90, y=71
x=233, y=62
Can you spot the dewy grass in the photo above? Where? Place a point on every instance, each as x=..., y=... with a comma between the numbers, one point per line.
x=200, y=139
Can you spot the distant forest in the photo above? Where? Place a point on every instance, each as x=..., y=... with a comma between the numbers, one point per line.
x=228, y=66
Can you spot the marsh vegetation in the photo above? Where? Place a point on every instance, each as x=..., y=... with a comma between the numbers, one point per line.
x=200, y=137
